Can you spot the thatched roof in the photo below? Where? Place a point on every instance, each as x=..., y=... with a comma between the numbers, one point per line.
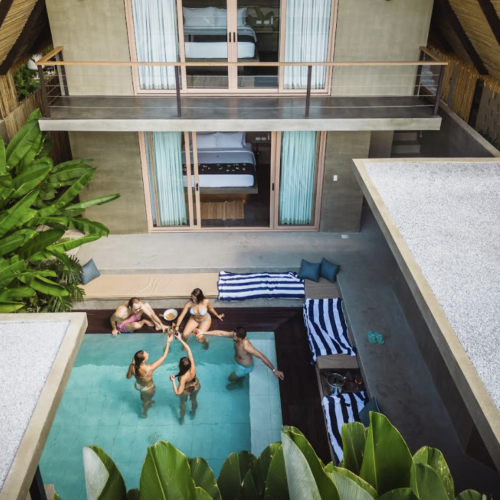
x=479, y=27
x=24, y=30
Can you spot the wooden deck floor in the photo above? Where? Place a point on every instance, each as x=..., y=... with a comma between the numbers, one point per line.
x=300, y=400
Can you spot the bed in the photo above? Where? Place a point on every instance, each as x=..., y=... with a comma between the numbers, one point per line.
x=225, y=160
x=205, y=34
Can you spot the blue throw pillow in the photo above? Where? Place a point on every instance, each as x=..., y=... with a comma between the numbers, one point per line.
x=328, y=270
x=90, y=272
x=309, y=271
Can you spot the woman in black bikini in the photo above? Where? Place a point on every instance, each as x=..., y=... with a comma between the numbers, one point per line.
x=199, y=309
x=143, y=374
x=189, y=385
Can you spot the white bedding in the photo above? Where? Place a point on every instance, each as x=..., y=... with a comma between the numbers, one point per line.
x=224, y=156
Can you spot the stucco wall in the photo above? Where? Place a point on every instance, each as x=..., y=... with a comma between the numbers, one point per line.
x=379, y=30
x=342, y=199
x=92, y=30
x=118, y=162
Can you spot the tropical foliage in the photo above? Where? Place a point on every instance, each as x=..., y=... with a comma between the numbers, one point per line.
x=377, y=465
x=37, y=207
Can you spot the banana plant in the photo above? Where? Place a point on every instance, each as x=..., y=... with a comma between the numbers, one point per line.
x=286, y=470
x=36, y=208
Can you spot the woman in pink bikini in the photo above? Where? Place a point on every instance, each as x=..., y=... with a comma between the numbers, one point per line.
x=128, y=317
x=199, y=309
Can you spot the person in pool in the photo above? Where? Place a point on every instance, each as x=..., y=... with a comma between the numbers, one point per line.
x=189, y=385
x=128, y=317
x=244, y=353
x=143, y=374
x=199, y=309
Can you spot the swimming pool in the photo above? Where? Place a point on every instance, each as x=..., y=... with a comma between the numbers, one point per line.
x=100, y=406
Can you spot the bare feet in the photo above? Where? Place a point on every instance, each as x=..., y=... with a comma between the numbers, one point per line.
x=149, y=323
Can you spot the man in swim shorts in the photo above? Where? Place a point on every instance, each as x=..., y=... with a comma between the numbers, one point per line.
x=244, y=352
x=128, y=317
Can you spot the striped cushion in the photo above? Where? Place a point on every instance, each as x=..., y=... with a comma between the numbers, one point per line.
x=326, y=328
x=234, y=287
x=339, y=410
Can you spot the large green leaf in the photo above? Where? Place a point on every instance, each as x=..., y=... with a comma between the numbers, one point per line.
x=276, y=484
x=353, y=444
x=66, y=246
x=248, y=489
x=90, y=203
x=260, y=469
x=10, y=307
x=19, y=292
x=9, y=270
x=69, y=171
x=203, y=477
x=301, y=483
x=324, y=482
x=84, y=225
x=340, y=471
x=15, y=240
x=6, y=179
x=387, y=460
x=435, y=459
x=102, y=477
x=166, y=474
x=22, y=142
x=471, y=495
x=40, y=242
x=30, y=178
x=17, y=212
x=201, y=494
x=33, y=152
x=67, y=197
x=3, y=159
x=233, y=472
x=43, y=285
x=426, y=484
x=399, y=494
x=349, y=488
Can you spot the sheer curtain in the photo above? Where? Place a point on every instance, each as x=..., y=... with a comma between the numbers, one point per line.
x=298, y=157
x=306, y=40
x=165, y=160
x=155, y=26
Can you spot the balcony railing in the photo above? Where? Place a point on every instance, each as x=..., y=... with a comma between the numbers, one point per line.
x=422, y=79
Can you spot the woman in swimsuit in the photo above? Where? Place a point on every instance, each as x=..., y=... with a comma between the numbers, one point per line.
x=189, y=385
x=199, y=308
x=143, y=374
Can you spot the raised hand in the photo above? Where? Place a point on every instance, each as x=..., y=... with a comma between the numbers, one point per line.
x=172, y=377
x=279, y=375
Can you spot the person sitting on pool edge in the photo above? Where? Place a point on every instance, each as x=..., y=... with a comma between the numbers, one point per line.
x=128, y=317
x=244, y=352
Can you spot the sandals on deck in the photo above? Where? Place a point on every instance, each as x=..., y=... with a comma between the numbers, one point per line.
x=375, y=338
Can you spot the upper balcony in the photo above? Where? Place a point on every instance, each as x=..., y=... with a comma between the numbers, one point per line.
x=220, y=96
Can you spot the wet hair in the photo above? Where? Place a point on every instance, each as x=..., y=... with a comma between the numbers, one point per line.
x=241, y=333
x=138, y=359
x=132, y=301
x=184, y=366
x=198, y=295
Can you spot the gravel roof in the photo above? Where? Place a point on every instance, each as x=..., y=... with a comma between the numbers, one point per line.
x=449, y=216
x=28, y=352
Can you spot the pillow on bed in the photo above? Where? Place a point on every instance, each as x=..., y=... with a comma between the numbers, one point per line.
x=220, y=17
x=206, y=141
x=199, y=18
x=242, y=16
x=309, y=271
x=231, y=139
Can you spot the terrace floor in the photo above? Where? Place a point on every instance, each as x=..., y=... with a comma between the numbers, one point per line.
x=138, y=113
x=395, y=373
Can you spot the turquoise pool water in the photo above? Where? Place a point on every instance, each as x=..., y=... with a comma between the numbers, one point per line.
x=100, y=406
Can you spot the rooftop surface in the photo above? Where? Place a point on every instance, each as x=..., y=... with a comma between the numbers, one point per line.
x=447, y=213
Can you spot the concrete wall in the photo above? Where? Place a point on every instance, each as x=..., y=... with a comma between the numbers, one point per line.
x=379, y=30
x=342, y=200
x=118, y=162
x=92, y=30
x=456, y=139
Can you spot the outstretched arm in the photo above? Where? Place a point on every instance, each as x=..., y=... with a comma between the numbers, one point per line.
x=254, y=352
x=213, y=311
x=188, y=349
x=159, y=361
x=182, y=384
x=219, y=333
x=180, y=319
x=148, y=310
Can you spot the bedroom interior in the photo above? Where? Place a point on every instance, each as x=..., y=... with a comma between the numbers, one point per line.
x=229, y=180
x=225, y=31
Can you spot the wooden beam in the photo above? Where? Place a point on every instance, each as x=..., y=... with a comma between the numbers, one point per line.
x=492, y=17
x=4, y=9
x=30, y=23
x=452, y=18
